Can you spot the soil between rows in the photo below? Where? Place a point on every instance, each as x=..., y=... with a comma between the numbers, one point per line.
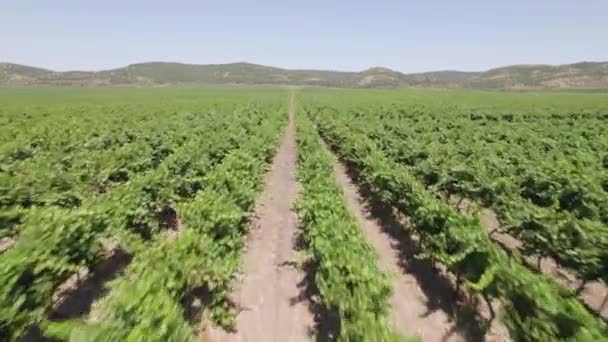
x=271, y=291
x=269, y=294
x=424, y=302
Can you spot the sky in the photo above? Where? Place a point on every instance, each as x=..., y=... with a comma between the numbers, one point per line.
x=409, y=36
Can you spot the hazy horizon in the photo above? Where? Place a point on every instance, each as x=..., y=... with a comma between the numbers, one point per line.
x=342, y=36
x=268, y=65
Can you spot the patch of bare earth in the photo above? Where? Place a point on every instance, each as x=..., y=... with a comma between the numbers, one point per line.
x=424, y=301
x=594, y=294
x=75, y=297
x=268, y=293
x=6, y=243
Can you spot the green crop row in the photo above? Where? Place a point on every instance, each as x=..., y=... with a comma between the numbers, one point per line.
x=69, y=176
x=542, y=174
x=144, y=304
x=345, y=267
x=534, y=307
x=56, y=242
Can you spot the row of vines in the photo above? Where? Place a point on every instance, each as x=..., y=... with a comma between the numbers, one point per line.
x=412, y=157
x=172, y=189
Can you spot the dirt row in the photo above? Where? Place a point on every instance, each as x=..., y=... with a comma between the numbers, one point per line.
x=270, y=291
x=425, y=301
x=267, y=293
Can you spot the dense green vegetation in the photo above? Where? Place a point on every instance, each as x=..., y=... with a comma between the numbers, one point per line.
x=60, y=147
x=205, y=255
x=411, y=151
x=169, y=176
x=542, y=171
x=346, y=272
x=199, y=188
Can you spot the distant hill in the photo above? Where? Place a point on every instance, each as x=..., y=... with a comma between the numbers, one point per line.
x=586, y=75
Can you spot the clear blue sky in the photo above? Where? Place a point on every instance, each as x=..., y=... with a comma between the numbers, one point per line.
x=409, y=36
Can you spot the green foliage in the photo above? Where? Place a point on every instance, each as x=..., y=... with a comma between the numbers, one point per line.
x=144, y=304
x=55, y=242
x=536, y=309
x=346, y=272
x=539, y=168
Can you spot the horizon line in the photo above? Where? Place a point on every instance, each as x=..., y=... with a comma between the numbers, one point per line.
x=301, y=69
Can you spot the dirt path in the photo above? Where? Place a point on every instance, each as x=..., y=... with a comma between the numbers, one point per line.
x=411, y=311
x=268, y=293
x=423, y=301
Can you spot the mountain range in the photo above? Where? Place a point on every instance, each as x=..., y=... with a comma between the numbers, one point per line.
x=585, y=75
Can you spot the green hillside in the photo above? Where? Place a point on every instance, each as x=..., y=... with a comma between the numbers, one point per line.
x=586, y=75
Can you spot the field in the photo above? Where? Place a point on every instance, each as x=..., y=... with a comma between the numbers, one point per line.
x=263, y=213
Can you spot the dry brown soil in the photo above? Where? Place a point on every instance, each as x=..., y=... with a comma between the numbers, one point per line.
x=423, y=301
x=268, y=292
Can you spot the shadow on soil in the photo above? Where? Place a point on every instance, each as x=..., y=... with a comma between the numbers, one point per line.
x=78, y=300
x=327, y=321
x=439, y=289
x=193, y=303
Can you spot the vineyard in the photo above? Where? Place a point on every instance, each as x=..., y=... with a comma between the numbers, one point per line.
x=150, y=215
